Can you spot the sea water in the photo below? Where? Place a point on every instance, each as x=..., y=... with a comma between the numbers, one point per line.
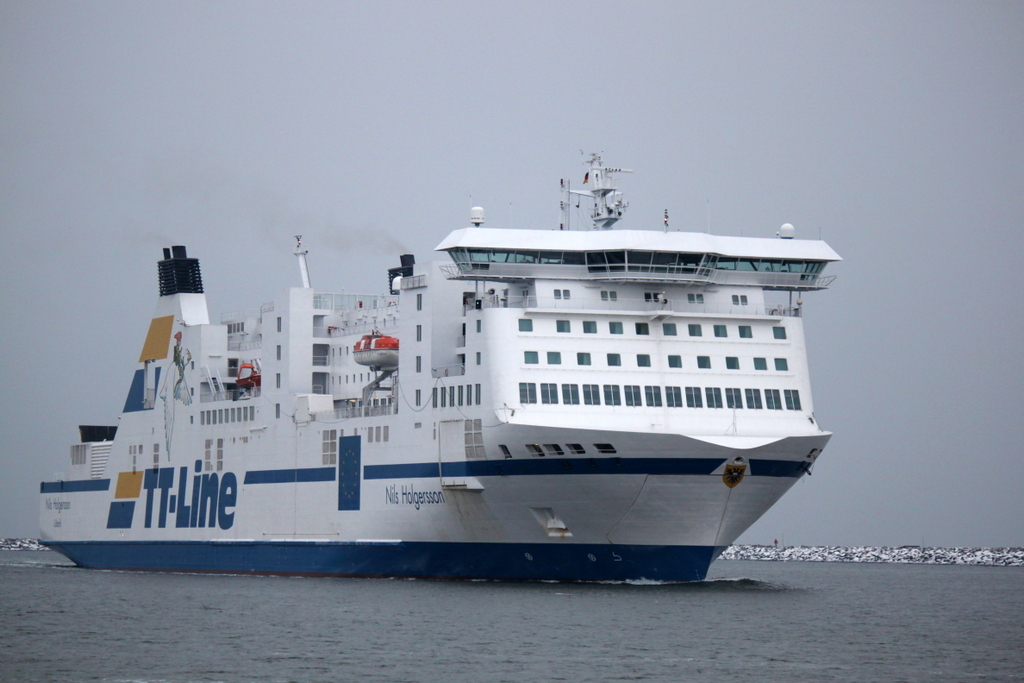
x=750, y=621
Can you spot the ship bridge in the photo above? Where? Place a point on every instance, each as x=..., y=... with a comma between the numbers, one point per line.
x=497, y=255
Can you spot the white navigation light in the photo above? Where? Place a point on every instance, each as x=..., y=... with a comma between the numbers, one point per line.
x=476, y=216
x=787, y=231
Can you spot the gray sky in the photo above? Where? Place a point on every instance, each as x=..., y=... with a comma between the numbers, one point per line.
x=893, y=129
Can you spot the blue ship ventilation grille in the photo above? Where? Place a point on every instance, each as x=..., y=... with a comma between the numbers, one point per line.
x=179, y=274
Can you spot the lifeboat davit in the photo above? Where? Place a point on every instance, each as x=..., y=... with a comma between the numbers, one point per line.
x=248, y=376
x=377, y=350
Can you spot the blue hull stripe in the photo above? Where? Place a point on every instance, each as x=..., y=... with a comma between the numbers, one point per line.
x=504, y=561
x=74, y=486
x=289, y=476
x=547, y=466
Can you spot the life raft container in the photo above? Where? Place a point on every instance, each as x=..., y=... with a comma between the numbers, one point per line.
x=376, y=350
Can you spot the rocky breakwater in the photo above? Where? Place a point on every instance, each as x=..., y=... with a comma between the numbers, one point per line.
x=989, y=557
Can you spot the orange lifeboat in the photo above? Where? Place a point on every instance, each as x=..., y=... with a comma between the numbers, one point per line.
x=377, y=350
x=248, y=376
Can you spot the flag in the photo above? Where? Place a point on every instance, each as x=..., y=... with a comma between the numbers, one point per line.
x=586, y=178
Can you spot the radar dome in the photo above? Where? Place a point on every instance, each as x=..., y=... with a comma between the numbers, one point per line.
x=476, y=215
x=787, y=231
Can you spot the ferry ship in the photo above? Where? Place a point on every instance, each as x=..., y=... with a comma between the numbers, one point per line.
x=569, y=405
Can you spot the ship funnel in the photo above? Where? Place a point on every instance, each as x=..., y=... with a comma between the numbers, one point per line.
x=179, y=274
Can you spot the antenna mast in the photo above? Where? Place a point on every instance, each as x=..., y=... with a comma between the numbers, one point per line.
x=608, y=204
x=303, y=268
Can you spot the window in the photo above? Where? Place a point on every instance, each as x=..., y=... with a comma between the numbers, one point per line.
x=760, y=364
x=419, y=302
x=554, y=358
x=461, y=392
x=419, y=396
x=444, y=398
x=753, y=399
x=279, y=352
x=589, y=327
x=558, y=294
x=673, y=397
x=779, y=332
x=469, y=394
x=525, y=325
x=477, y=394
x=549, y=393
x=675, y=361
x=576, y=448
x=220, y=454
x=611, y=395
x=609, y=296
x=695, y=330
x=739, y=300
x=781, y=365
x=433, y=398
x=632, y=392
x=614, y=328
x=277, y=379
x=693, y=399
x=668, y=329
x=643, y=360
x=653, y=396
x=605, y=448
x=562, y=325
x=505, y=451
x=733, y=398
x=582, y=358
x=713, y=396
x=704, y=362
x=207, y=462
x=419, y=363
x=534, y=450
x=451, y=396
x=554, y=449
x=695, y=298
x=279, y=324
x=530, y=357
x=792, y=399
x=642, y=328
x=591, y=395
x=479, y=326
x=721, y=331
x=419, y=333
x=561, y=293
x=527, y=392
x=570, y=394
x=565, y=294
x=277, y=411
x=732, y=363
x=614, y=359
x=330, y=447
x=745, y=332
x=478, y=357
x=772, y=401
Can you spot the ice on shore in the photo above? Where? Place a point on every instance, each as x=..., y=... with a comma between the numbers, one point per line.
x=995, y=557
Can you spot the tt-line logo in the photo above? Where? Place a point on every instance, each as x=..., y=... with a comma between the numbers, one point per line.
x=208, y=501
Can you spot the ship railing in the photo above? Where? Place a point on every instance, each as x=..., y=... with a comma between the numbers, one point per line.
x=229, y=395
x=321, y=360
x=246, y=345
x=347, y=412
x=653, y=307
x=448, y=370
